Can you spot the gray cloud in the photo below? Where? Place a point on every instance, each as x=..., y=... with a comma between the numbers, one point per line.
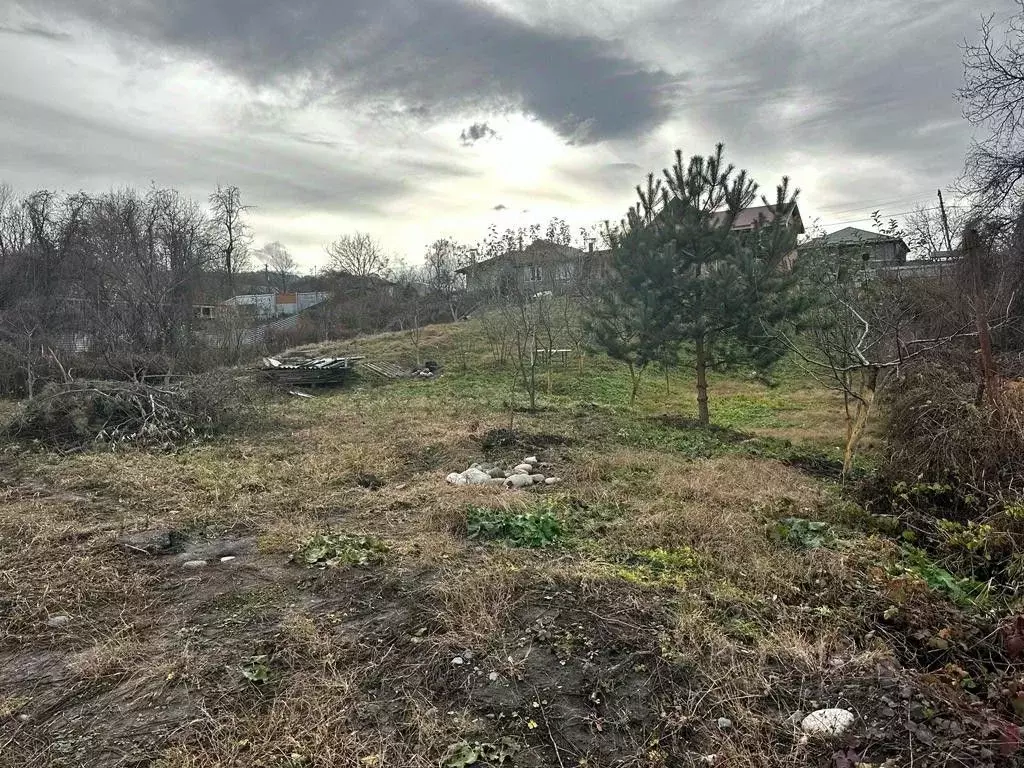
x=869, y=83
x=500, y=207
x=852, y=100
x=431, y=58
x=34, y=30
x=477, y=132
x=85, y=149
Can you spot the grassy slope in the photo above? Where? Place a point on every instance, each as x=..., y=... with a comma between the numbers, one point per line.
x=664, y=606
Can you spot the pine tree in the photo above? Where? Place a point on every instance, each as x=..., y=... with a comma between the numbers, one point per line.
x=684, y=279
x=630, y=317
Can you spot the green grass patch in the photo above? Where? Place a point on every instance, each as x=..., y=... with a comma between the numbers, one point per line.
x=749, y=411
x=661, y=567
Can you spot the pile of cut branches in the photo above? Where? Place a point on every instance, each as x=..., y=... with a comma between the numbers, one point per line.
x=80, y=414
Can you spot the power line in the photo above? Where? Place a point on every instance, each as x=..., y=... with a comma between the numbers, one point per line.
x=887, y=216
x=879, y=205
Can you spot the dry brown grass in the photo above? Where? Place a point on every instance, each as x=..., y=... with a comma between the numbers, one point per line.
x=360, y=658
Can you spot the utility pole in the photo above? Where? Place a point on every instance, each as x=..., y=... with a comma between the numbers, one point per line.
x=945, y=223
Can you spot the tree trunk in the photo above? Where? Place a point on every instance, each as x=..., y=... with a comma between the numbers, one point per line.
x=634, y=377
x=702, y=383
x=512, y=403
x=229, y=269
x=533, y=374
x=855, y=426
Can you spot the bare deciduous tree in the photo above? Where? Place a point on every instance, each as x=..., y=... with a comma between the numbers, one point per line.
x=993, y=97
x=925, y=232
x=13, y=226
x=279, y=261
x=359, y=255
x=866, y=326
x=111, y=277
x=523, y=319
x=141, y=259
x=443, y=259
x=230, y=231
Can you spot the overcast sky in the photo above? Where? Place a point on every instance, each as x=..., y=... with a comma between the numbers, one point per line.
x=413, y=119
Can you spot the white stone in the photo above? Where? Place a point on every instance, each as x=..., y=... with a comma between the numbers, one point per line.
x=518, y=481
x=493, y=677
x=530, y=460
x=227, y=558
x=527, y=468
x=537, y=479
x=458, y=661
x=194, y=564
x=58, y=620
x=724, y=723
x=828, y=722
x=455, y=478
x=475, y=476
x=552, y=480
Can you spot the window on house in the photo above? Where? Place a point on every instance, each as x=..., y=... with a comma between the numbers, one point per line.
x=534, y=272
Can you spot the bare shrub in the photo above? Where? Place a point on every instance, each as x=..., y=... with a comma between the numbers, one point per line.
x=939, y=430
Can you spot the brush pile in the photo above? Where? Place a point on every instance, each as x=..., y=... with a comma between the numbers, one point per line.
x=80, y=414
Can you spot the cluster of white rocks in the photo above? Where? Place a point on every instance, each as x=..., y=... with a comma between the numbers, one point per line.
x=528, y=472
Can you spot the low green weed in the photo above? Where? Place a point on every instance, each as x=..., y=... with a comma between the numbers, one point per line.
x=331, y=549
x=257, y=669
x=537, y=527
x=803, y=534
x=973, y=538
x=962, y=591
x=464, y=753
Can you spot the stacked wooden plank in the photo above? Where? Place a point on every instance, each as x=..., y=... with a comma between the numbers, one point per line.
x=320, y=371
